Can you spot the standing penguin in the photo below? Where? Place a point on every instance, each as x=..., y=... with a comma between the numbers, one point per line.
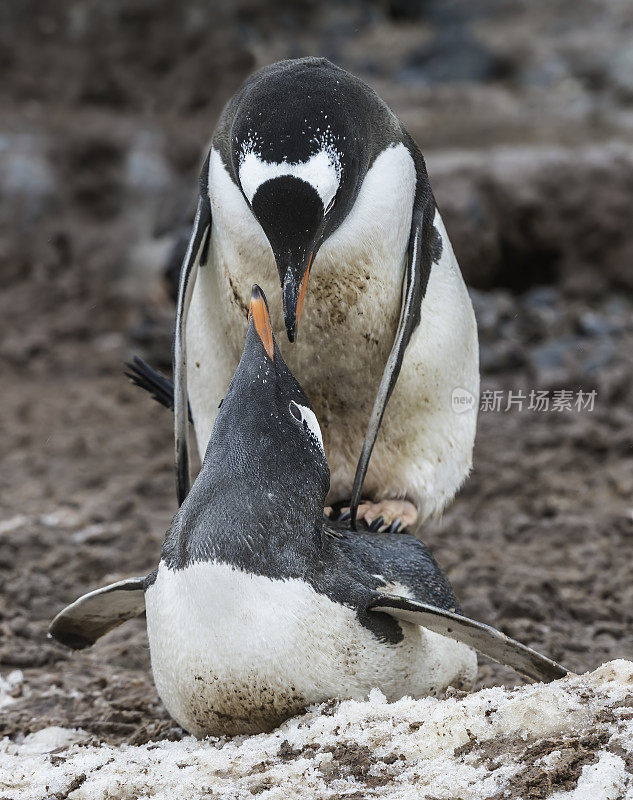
x=311, y=178
x=259, y=607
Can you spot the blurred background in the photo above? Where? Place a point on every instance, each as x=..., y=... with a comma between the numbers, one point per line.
x=524, y=112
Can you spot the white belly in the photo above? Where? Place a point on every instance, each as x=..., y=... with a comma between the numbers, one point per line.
x=236, y=653
x=347, y=329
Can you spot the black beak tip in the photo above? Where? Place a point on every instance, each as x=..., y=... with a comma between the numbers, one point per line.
x=290, y=299
x=290, y=318
x=258, y=294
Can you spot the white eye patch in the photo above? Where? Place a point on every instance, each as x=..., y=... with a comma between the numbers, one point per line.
x=307, y=416
x=319, y=171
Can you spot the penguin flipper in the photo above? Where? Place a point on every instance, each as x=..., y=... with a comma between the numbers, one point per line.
x=152, y=381
x=196, y=254
x=483, y=638
x=94, y=614
x=416, y=278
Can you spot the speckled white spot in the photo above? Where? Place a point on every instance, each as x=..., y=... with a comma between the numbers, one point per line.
x=321, y=171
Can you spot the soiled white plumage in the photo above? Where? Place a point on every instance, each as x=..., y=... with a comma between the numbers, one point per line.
x=424, y=449
x=232, y=651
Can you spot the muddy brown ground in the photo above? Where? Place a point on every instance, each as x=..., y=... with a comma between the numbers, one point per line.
x=539, y=541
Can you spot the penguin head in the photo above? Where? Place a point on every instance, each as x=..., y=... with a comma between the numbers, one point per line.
x=299, y=155
x=266, y=443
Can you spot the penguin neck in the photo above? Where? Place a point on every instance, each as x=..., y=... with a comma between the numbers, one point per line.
x=248, y=525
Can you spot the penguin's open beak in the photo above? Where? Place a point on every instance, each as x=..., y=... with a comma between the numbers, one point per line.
x=258, y=311
x=294, y=294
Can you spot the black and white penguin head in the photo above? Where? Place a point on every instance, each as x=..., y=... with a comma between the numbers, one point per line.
x=298, y=153
x=266, y=441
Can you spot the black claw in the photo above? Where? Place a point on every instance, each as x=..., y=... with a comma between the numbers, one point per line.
x=376, y=524
x=395, y=526
x=345, y=515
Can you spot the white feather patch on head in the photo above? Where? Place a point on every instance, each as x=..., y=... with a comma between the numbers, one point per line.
x=309, y=417
x=321, y=171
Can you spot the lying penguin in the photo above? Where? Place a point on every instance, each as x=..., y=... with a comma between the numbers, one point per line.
x=312, y=178
x=260, y=606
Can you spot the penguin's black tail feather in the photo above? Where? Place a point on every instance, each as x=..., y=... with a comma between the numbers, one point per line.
x=152, y=381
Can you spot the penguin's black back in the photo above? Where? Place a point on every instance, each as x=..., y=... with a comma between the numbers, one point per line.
x=349, y=567
x=400, y=560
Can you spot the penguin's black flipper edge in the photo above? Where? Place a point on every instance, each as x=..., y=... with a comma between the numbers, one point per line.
x=80, y=624
x=196, y=254
x=416, y=278
x=486, y=640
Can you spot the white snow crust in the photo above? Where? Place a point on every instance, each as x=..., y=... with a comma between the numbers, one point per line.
x=576, y=733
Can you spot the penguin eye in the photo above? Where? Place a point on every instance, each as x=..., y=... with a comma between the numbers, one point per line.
x=309, y=421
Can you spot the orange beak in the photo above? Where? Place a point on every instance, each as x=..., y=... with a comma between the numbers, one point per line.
x=259, y=312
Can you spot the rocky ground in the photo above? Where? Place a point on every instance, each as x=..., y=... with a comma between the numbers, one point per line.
x=525, y=129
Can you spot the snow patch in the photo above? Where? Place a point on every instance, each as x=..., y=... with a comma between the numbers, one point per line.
x=604, y=780
x=471, y=747
x=11, y=687
x=48, y=740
